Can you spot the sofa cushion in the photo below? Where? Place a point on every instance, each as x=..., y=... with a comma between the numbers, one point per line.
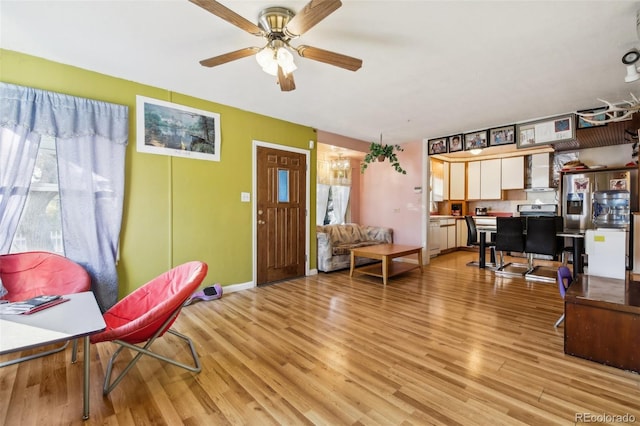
x=345, y=248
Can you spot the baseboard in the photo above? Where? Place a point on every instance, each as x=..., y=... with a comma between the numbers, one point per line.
x=245, y=286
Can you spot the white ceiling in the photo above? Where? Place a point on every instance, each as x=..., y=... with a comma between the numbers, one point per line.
x=431, y=68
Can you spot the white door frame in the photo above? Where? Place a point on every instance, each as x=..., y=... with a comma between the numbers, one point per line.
x=254, y=214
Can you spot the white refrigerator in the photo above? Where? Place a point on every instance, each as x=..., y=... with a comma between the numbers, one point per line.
x=606, y=251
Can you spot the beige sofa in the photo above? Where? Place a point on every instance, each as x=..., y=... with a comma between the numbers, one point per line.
x=336, y=241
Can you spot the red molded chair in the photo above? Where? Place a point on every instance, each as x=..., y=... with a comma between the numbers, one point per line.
x=34, y=273
x=147, y=313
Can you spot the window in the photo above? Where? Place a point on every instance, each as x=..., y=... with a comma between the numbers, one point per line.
x=40, y=225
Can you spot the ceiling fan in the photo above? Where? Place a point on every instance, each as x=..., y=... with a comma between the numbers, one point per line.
x=278, y=26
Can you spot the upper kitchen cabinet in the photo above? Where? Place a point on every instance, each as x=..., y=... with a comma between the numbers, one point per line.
x=473, y=180
x=513, y=173
x=540, y=170
x=490, y=179
x=457, y=181
x=484, y=180
x=436, y=180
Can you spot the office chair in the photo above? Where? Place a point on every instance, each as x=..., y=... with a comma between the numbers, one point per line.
x=564, y=281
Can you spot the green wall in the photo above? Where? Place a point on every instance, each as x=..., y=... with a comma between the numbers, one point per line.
x=177, y=209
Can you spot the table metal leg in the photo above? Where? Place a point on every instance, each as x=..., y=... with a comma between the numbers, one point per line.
x=578, y=266
x=85, y=390
x=483, y=246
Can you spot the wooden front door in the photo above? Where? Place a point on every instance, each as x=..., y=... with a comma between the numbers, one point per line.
x=280, y=215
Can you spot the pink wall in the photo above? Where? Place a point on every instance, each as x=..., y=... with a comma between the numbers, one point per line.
x=387, y=198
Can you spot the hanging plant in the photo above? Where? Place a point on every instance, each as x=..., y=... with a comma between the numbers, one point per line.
x=380, y=152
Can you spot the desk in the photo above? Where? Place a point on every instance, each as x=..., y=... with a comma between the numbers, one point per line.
x=578, y=246
x=79, y=317
x=386, y=253
x=602, y=321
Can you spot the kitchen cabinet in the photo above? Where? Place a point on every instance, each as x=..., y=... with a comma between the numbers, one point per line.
x=490, y=179
x=484, y=180
x=447, y=234
x=512, y=173
x=473, y=180
x=434, y=237
x=461, y=232
x=436, y=180
x=445, y=181
x=457, y=181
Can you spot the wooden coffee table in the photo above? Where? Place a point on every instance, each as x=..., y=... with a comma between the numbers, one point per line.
x=386, y=253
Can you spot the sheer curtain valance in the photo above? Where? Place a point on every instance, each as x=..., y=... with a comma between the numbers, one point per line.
x=62, y=116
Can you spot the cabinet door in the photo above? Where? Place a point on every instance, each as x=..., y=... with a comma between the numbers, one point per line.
x=490, y=179
x=436, y=180
x=443, y=238
x=445, y=181
x=513, y=173
x=434, y=237
x=473, y=180
x=461, y=232
x=451, y=236
x=457, y=181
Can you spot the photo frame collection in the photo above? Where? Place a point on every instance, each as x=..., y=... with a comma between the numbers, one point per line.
x=548, y=131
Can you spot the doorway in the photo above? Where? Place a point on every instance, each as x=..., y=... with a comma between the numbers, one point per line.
x=281, y=207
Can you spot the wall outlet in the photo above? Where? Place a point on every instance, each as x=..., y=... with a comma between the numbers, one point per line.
x=245, y=197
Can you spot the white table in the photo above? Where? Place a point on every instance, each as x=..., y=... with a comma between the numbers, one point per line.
x=79, y=317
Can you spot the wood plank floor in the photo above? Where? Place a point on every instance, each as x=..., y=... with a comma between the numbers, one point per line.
x=453, y=346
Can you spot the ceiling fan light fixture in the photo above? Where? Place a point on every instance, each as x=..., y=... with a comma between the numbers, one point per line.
x=285, y=60
x=267, y=61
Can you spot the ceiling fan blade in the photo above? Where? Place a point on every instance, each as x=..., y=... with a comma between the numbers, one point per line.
x=285, y=80
x=229, y=15
x=228, y=57
x=331, y=58
x=314, y=12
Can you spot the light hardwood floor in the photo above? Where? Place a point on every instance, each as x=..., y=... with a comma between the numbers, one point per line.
x=455, y=345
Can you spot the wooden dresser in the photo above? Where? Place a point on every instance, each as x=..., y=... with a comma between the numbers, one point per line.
x=602, y=321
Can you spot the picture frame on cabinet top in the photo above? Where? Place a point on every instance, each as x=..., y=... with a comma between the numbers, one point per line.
x=475, y=140
x=456, y=143
x=502, y=135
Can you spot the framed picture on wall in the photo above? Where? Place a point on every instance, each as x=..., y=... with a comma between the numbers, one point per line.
x=502, y=135
x=166, y=128
x=455, y=143
x=546, y=132
x=597, y=114
x=475, y=140
x=438, y=146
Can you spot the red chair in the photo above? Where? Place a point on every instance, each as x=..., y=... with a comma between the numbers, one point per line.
x=29, y=274
x=146, y=314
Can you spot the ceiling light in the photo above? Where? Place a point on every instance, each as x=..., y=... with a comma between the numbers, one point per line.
x=272, y=56
x=475, y=151
x=340, y=163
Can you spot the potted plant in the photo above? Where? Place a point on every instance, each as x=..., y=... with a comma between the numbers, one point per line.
x=380, y=152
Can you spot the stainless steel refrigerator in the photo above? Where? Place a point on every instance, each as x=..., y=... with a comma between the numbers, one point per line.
x=578, y=195
x=601, y=200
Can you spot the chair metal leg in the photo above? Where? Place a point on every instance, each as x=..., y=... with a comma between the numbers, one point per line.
x=559, y=321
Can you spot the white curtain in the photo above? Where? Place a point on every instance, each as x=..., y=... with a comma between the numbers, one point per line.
x=340, y=197
x=322, y=199
x=18, y=152
x=91, y=139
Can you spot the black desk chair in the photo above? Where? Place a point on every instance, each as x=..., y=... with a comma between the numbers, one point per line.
x=510, y=238
x=472, y=240
x=541, y=239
